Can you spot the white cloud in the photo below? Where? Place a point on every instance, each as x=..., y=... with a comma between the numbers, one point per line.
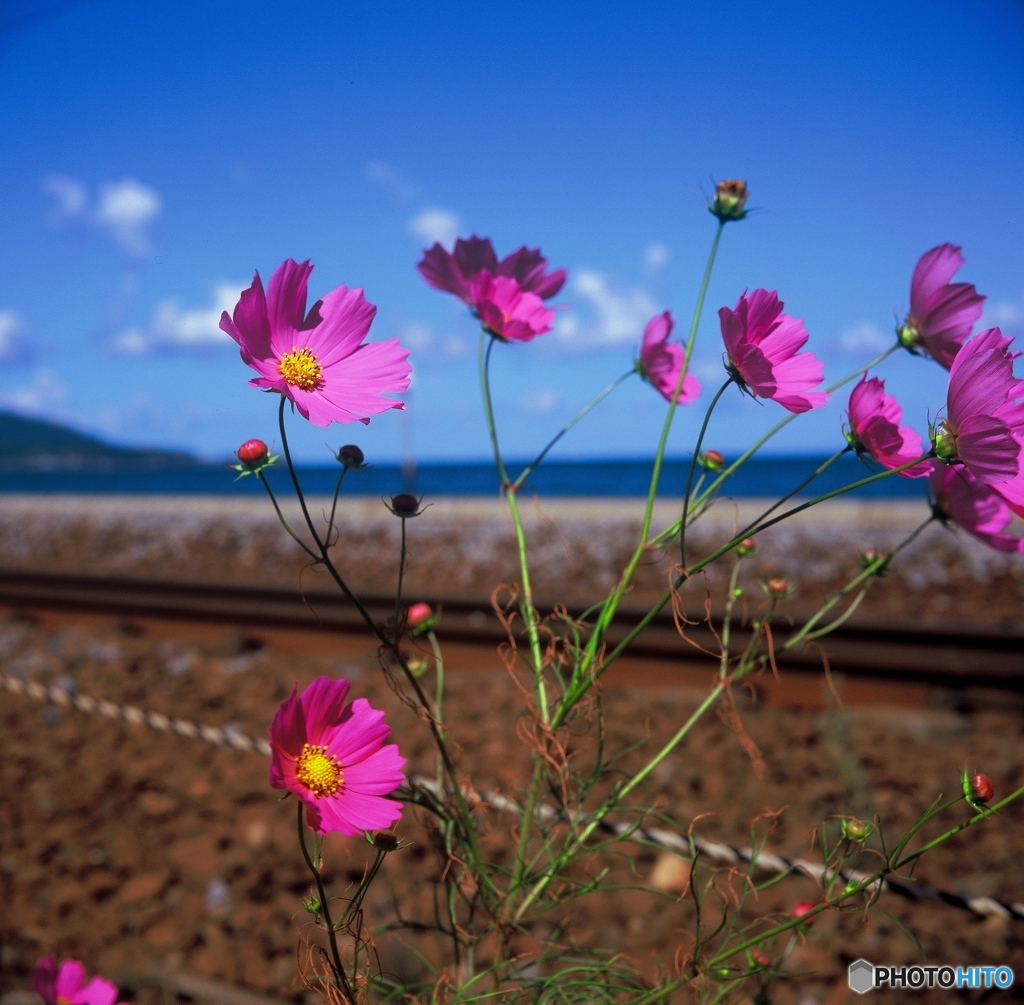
x=390, y=178
x=1005, y=314
x=615, y=316
x=71, y=197
x=438, y=225
x=14, y=347
x=865, y=337
x=656, y=256
x=416, y=337
x=174, y=329
x=45, y=395
x=541, y=400
x=125, y=209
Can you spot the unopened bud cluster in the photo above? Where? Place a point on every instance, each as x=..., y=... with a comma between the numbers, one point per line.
x=730, y=200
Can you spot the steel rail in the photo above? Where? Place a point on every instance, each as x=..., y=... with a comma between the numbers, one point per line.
x=959, y=655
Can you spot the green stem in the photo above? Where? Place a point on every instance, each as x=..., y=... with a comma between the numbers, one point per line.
x=528, y=470
x=526, y=608
x=280, y=516
x=334, y=503
x=465, y=815
x=581, y=685
x=693, y=467
x=325, y=910
x=723, y=667
x=612, y=604
x=401, y=575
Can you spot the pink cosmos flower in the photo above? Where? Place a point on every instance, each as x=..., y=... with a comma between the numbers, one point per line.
x=941, y=313
x=333, y=757
x=971, y=504
x=875, y=429
x=660, y=361
x=984, y=426
x=454, y=272
x=763, y=346
x=66, y=984
x=319, y=360
x=508, y=311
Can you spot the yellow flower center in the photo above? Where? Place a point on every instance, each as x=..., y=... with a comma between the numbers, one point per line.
x=319, y=771
x=301, y=369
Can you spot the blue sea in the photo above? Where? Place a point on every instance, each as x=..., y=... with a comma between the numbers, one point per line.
x=760, y=477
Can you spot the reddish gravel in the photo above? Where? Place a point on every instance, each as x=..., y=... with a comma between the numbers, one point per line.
x=125, y=847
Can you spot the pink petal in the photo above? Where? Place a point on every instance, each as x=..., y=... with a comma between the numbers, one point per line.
x=987, y=446
x=975, y=507
x=763, y=310
x=786, y=338
x=323, y=705
x=756, y=371
x=97, y=992
x=249, y=326
x=441, y=271
x=347, y=316
x=352, y=812
x=656, y=333
x=475, y=254
x=70, y=978
x=378, y=774
x=286, y=303
x=933, y=271
x=360, y=732
x=44, y=979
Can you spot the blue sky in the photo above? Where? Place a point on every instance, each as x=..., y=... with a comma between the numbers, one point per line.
x=153, y=155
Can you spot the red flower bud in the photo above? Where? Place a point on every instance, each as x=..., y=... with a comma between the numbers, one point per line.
x=761, y=958
x=405, y=505
x=252, y=452
x=803, y=908
x=712, y=460
x=730, y=200
x=981, y=788
x=418, y=613
x=777, y=587
x=351, y=456
x=746, y=547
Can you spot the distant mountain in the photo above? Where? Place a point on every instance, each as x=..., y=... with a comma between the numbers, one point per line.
x=35, y=445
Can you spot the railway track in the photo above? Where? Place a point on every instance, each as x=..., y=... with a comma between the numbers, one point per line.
x=958, y=656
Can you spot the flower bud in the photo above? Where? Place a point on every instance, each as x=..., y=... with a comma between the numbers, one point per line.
x=405, y=505
x=311, y=904
x=252, y=452
x=746, y=547
x=761, y=958
x=802, y=909
x=351, y=456
x=730, y=200
x=385, y=840
x=944, y=442
x=421, y=618
x=855, y=830
x=711, y=460
x=981, y=788
x=777, y=588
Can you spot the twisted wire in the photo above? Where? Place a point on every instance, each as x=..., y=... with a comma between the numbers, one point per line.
x=717, y=852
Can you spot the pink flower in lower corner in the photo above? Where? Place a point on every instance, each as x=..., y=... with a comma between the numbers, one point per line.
x=971, y=504
x=941, y=313
x=507, y=310
x=984, y=426
x=66, y=984
x=661, y=361
x=319, y=360
x=764, y=352
x=455, y=271
x=334, y=758
x=875, y=429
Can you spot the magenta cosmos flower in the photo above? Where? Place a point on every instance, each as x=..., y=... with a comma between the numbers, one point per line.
x=319, y=359
x=454, y=272
x=333, y=757
x=971, y=504
x=875, y=429
x=660, y=361
x=941, y=313
x=984, y=426
x=66, y=984
x=506, y=311
x=764, y=358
